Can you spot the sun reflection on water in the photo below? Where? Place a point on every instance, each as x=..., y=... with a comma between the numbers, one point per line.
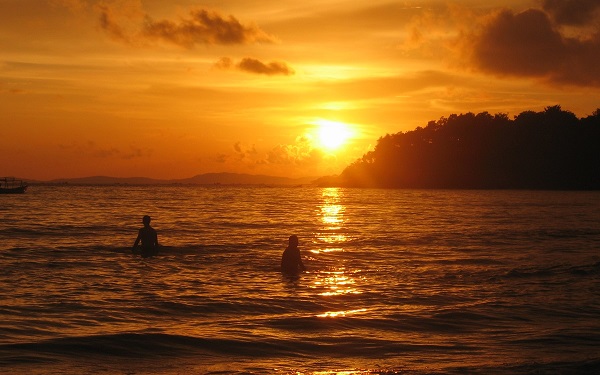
x=331, y=214
x=335, y=279
x=344, y=372
x=336, y=314
x=328, y=250
x=336, y=283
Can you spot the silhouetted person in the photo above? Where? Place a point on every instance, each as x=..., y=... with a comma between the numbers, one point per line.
x=149, y=239
x=291, y=260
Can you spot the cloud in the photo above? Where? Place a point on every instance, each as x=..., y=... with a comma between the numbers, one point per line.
x=428, y=32
x=529, y=44
x=224, y=63
x=204, y=27
x=110, y=26
x=571, y=12
x=298, y=154
x=255, y=66
x=519, y=44
x=126, y=21
x=244, y=152
x=200, y=27
x=221, y=158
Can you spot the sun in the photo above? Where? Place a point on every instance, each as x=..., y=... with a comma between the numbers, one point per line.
x=332, y=134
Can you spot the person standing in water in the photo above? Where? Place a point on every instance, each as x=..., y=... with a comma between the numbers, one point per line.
x=149, y=239
x=291, y=260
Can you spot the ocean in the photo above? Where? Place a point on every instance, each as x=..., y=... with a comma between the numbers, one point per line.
x=398, y=281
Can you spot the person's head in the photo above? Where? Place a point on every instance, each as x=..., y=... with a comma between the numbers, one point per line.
x=293, y=240
x=146, y=220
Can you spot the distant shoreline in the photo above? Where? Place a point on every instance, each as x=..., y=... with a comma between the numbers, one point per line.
x=207, y=179
x=163, y=184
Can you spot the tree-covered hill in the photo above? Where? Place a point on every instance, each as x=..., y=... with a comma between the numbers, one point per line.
x=552, y=149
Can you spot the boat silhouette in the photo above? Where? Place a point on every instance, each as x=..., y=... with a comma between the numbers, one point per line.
x=11, y=185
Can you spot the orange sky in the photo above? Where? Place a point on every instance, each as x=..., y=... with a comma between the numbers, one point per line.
x=171, y=89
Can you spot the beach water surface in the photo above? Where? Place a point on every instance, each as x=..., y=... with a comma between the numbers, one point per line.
x=398, y=281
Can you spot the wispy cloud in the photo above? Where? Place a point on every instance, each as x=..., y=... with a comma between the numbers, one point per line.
x=255, y=66
x=300, y=153
x=90, y=149
x=10, y=89
x=204, y=27
x=109, y=24
x=74, y=6
x=244, y=152
x=133, y=25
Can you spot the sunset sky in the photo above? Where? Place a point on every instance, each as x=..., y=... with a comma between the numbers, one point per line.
x=171, y=89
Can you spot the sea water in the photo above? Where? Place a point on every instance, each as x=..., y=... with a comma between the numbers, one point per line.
x=398, y=281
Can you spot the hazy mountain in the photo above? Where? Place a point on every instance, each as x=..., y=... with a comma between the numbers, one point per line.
x=202, y=179
x=105, y=180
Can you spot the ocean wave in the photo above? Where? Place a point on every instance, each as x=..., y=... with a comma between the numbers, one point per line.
x=586, y=366
x=592, y=269
x=130, y=345
x=57, y=250
x=148, y=345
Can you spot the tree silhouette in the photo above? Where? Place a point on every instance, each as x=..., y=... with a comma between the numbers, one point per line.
x=552, y=149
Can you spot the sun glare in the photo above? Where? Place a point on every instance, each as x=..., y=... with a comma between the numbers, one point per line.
x=332, y=134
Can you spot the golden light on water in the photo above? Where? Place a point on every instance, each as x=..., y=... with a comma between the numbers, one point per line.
x=336, y=314
x=328, y=250
x=337, y=280
x=342, y=372
x=331, y=214
x=336, y=283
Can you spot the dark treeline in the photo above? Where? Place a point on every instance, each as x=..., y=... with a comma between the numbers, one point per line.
x=552, y=149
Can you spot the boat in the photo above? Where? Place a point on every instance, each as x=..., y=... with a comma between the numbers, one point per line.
x=10, y=185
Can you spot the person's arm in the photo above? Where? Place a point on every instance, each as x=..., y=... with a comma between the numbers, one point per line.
x=137, y=240
x=156, y=239
x=302, y=267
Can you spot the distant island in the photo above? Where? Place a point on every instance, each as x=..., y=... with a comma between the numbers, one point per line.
x=202, y=179
x=551, y=149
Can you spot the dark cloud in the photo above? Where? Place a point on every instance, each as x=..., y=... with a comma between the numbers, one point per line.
x=224, y=63
x=204, y=27
x=529, y=44
x=133, y=25
x=109, y=25
x=519, y=44
x=255, y=66
x=571, y=12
